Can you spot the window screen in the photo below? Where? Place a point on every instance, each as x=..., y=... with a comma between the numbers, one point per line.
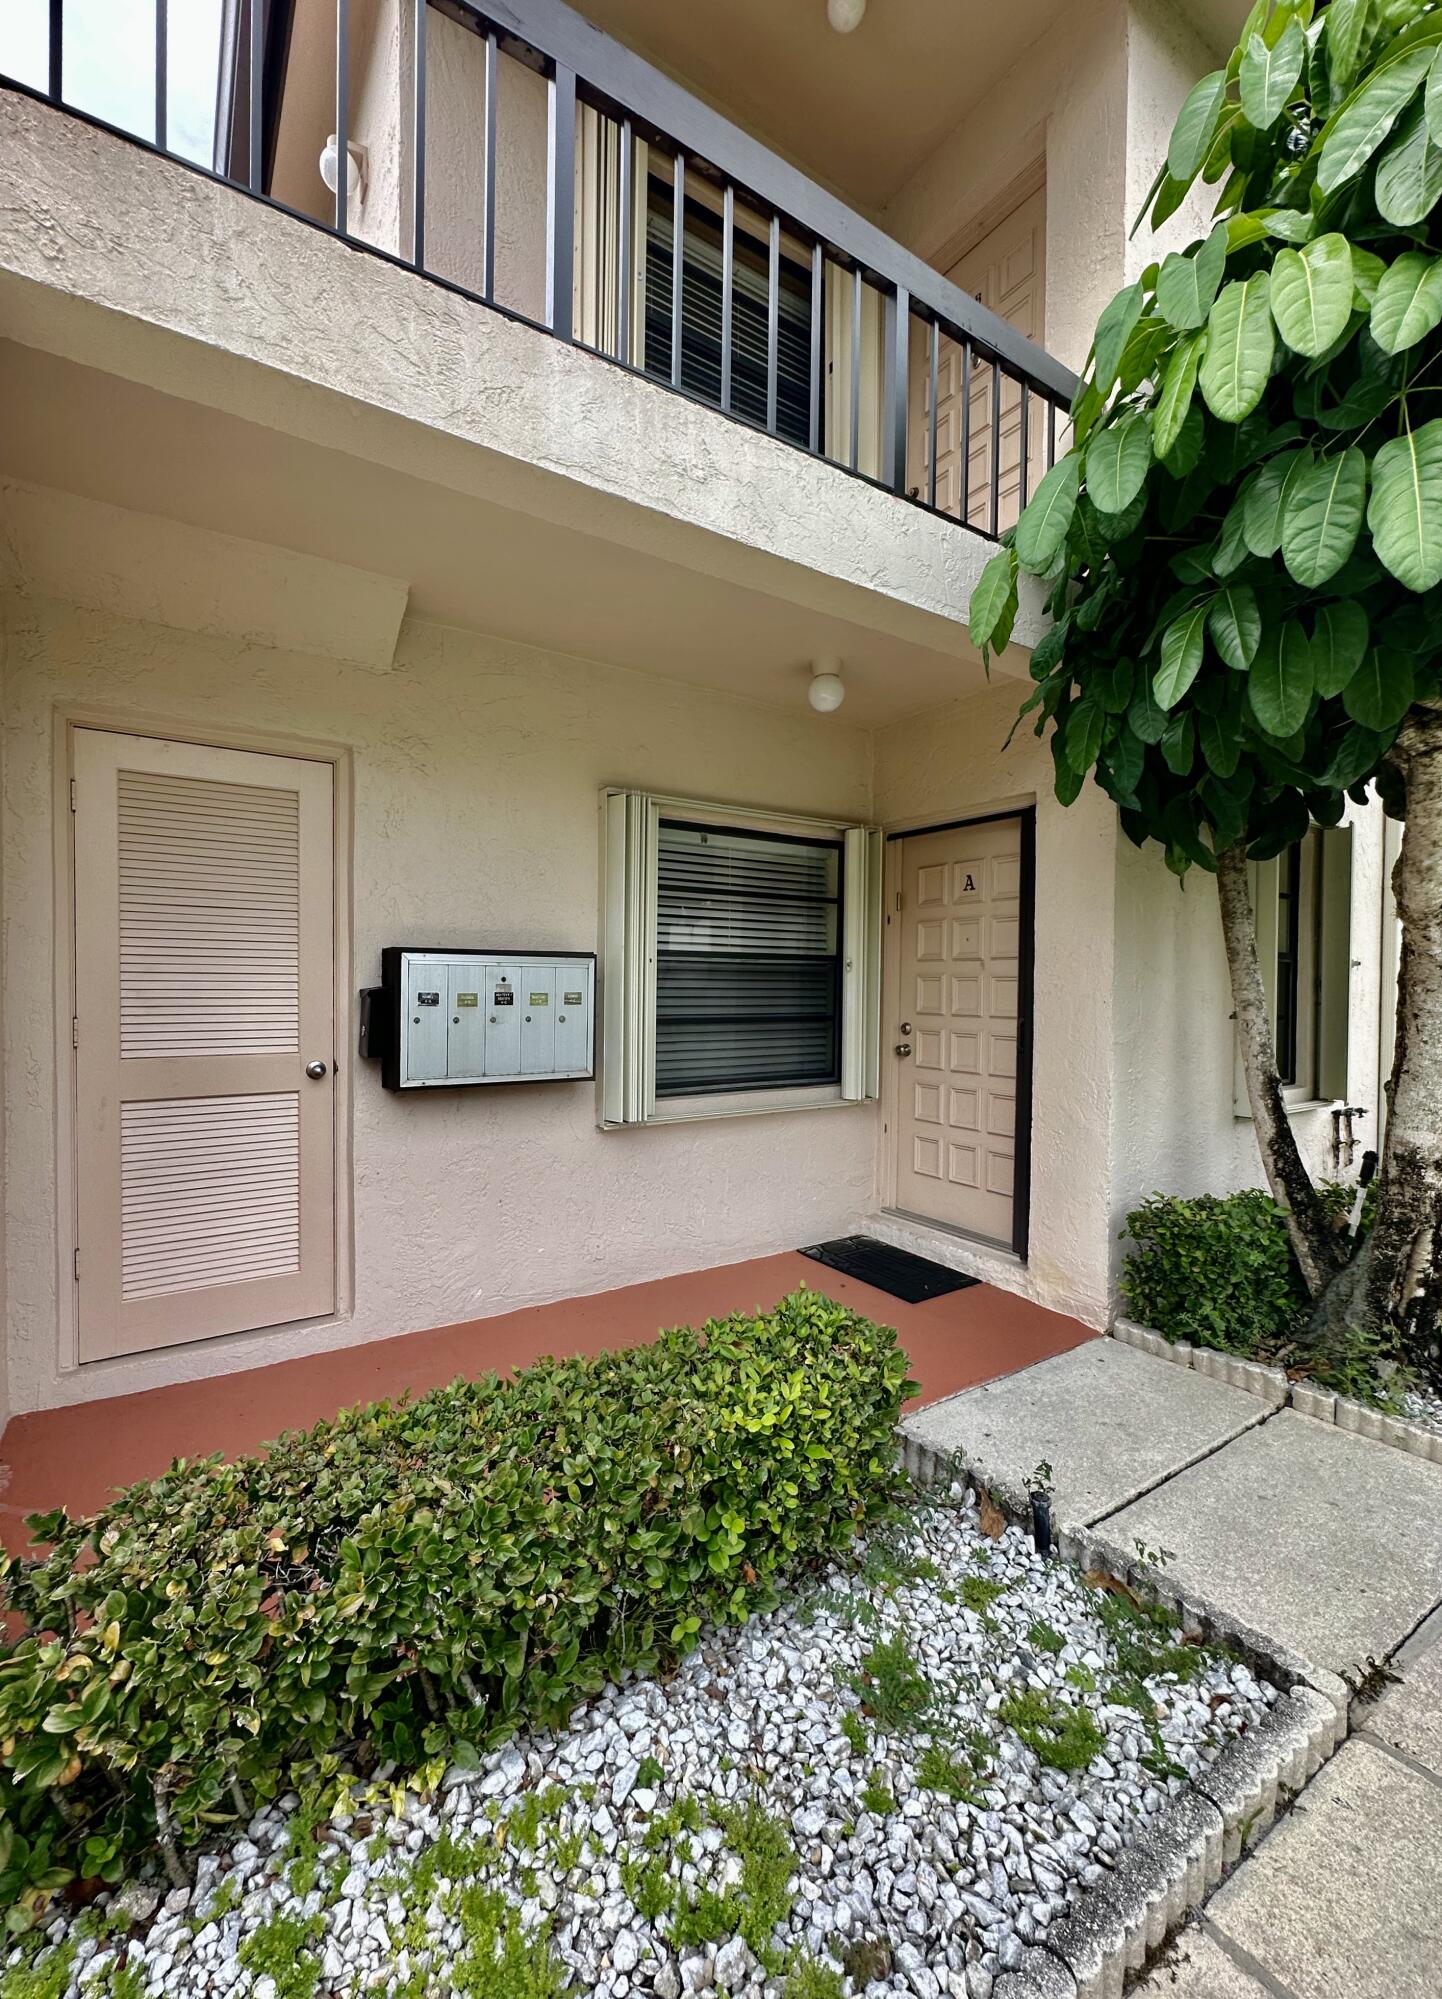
x=701, y=316
x=748, y=963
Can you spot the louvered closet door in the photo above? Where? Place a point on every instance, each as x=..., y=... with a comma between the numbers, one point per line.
x=205, y=985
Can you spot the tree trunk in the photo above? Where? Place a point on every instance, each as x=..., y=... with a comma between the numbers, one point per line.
x=1396, y=1280
x=1319, y=1251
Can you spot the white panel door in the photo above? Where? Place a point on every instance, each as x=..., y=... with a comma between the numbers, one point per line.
x=1005, y=271
x=956, y=1021
x=204, y=957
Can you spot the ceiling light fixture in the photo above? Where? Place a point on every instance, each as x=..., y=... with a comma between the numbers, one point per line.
x=845, y=15
x=827, y=690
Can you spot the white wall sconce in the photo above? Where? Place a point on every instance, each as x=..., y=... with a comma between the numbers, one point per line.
x=356, y=165
x=845, y=15
x=827, y=690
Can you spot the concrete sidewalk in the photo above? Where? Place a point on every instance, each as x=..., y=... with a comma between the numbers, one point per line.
x=1329, y=1544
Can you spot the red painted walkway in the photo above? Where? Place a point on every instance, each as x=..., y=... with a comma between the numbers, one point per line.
x=76, y=1457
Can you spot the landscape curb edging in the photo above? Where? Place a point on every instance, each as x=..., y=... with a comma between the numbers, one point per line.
x=1272, y=1385
x=1201, y=1834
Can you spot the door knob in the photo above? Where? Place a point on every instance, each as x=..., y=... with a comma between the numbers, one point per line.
x=315, y=1070
x=905, y=1027
x=903, y=1047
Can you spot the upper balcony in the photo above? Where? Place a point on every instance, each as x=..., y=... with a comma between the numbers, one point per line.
x=516, y=158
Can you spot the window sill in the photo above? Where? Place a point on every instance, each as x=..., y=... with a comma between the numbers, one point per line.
x=743, y=1103
x=1296, y=1107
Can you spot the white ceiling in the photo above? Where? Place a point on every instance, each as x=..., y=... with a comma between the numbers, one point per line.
x=860, y=112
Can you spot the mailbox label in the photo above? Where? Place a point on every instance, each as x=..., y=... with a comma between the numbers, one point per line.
x=573, y=999
x=503, y=996
x=540, y=999
x=468, y=999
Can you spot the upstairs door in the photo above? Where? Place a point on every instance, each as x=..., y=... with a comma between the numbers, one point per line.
x=956, y=1029
x=205, y=1091
x=1005, y=271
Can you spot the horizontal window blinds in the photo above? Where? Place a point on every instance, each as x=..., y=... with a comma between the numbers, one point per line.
x=701, y=296
x=748, y=967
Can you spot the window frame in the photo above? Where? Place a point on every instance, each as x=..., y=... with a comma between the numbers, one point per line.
x=626, y=1042
x=1321, y=984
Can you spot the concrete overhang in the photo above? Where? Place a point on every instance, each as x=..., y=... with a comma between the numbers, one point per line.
x=178, y=349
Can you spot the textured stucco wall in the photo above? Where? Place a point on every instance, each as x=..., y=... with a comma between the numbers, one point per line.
x=1065, y=103
x=476, y=770
x=1175, y=1127
x=950, y=765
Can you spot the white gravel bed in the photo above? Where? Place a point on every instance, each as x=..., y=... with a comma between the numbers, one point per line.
x=1423, y=1407
x=745, y=1827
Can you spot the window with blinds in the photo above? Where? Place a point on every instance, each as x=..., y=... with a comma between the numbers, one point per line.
x=748, y=960
x=701, y=316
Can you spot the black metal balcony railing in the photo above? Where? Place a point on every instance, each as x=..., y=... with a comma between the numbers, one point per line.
x=764, y=296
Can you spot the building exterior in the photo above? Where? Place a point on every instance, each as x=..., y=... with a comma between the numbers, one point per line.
x=444, y=564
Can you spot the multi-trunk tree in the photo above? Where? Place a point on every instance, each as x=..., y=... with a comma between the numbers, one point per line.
x=1242, y=554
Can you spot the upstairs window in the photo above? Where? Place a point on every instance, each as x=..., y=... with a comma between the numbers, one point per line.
x=702, y=252
x=740, y=961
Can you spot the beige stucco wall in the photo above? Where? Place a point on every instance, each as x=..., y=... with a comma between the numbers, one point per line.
x=951, y=765
x=476, y=767
x=1065, y=104
x=1175, y=1127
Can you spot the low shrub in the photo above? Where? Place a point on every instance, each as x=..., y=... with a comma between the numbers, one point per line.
x=1217, y=1271
x=413, y=1581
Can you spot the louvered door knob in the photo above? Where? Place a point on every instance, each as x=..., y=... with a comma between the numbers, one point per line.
x=315, y=1070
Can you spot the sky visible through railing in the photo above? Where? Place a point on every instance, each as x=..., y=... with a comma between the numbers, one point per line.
x=109, y=63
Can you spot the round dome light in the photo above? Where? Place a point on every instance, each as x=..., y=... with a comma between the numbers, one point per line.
x=826, y=692
x=845, y=15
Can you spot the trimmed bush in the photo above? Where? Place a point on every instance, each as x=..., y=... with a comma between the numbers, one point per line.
x=1218, y=1270
x=416, y=1580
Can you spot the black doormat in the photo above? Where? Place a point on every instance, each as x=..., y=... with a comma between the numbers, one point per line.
x=910, y=1278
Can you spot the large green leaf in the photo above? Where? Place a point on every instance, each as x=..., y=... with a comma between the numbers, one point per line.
x=1312, y=293
x=1380, y=692
x=1191, y=138
x=993, y=602
x=1409, y=175
x=1118, y=459
x=1240, y=345
x=1322, y=516
x=1269, y=75
x=1047, y=516
x=1185, y=449
x=1221, y=744
x=1085, y=725
x=1344, y=25
x=1174, y=398
x=1433, y=99
x=1408, y=303
x=1405, y=514
x=1187, y=283
x=1235, y=624
x=1369, y=115
x=1265, y=499
x=1183, y=643
x=1339, y=640
x=1282, y=681
x=1114, y=330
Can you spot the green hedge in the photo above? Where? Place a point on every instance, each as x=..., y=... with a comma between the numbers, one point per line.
x=1217, y=1270
x=417, y=1579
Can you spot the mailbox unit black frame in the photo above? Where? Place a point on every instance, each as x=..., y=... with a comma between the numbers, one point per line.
x=380, y=1019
